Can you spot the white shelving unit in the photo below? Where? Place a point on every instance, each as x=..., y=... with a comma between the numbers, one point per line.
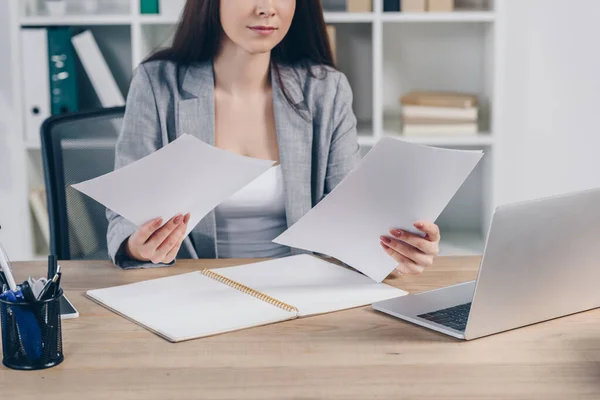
x=384, y=55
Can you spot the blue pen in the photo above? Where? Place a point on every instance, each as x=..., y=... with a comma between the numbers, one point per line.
x=27, y=325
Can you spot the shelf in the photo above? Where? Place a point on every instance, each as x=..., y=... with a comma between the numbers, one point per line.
x=76, y=20
x=461, y=244
x=330, y=17
x=346, y=17
x=457, y=16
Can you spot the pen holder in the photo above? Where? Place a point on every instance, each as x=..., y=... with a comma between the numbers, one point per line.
x=31, y=334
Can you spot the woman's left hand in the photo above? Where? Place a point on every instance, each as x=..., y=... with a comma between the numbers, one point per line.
x=412, y=252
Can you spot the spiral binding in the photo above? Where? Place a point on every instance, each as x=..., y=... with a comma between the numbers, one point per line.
x=247, y=290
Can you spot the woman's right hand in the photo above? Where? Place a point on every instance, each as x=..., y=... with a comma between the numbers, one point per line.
x=157, y=244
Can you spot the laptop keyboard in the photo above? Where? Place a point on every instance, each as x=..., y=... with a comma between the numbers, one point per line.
x=452, y=317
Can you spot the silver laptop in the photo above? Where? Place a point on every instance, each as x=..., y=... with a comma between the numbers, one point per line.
x=541, y=261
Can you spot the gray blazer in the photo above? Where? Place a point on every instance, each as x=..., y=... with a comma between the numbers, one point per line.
x=317, y=145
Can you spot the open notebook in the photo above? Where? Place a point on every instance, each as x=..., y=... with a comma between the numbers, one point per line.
x=209, y=302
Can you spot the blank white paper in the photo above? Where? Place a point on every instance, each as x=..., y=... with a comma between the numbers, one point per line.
x=312, y=285
x=187, y=175
x=396, y=184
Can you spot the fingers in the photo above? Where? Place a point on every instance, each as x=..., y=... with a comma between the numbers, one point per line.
x=405, y=265
x=170, y=256
x=413, y=254
x=168, y=249
x=160, y=235
x=431, y=229
x=145, y=231
x=424, y=245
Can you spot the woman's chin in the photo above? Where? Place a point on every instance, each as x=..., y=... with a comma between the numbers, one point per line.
x=259, y=48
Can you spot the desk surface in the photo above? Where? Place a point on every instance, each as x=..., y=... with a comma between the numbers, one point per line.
x=353, y=354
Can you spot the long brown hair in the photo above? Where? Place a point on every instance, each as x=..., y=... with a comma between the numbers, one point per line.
x=198, y=35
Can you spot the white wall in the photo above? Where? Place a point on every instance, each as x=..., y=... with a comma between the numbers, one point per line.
x=13, y=185
x=551, y=126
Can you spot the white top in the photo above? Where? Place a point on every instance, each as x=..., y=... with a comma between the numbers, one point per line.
x=249, y=220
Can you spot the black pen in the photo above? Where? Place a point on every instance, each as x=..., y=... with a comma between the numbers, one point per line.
x=51, y=266
x=3, y=278
x=27, y=292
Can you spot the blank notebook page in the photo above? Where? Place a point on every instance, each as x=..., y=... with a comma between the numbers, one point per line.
x=312, y=285
x=188, y=306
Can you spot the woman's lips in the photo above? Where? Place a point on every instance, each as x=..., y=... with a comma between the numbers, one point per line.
x=263, y=30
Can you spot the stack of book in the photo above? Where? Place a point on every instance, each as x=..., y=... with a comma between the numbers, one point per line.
x=439, y=113
x=359, y=6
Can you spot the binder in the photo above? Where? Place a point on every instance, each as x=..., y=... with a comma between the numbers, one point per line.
x=149, y=6
x=391, y=5
x=97, y=70
x=36, y=80
x=63, y=79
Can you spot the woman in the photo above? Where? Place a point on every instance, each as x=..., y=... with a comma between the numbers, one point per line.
x=254, y=77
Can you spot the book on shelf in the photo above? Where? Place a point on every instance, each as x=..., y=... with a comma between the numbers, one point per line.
x=440, y=5
x=438, y=128
x=97, y=70
x=63, y=79
x=439, y=113
x=413, y=5
x=149, y=7
x=354, y=6
x=49, y=76
x=36, y=81
x=391, y=5
x=453, y=113
x=439, y=99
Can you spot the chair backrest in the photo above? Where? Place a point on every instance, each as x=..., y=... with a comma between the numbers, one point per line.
x=77, y=147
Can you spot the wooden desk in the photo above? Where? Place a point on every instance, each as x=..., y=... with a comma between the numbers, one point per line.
x=354, y=354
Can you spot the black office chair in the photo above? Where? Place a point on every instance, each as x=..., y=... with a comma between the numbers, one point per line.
x=77, y=147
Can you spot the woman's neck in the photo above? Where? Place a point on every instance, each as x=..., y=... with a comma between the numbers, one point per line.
x=238, y=72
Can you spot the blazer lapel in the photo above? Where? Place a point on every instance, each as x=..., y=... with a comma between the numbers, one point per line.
x=196, y=117
x=196, y=114
x=294, y=137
